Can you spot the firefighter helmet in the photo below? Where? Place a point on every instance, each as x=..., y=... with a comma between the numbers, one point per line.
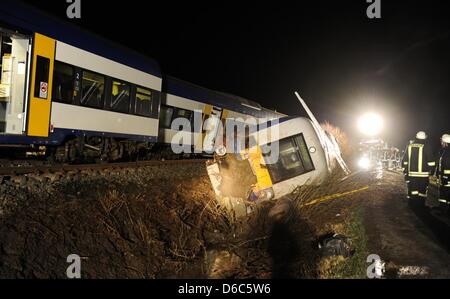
x=421, y=135
x=446, y=138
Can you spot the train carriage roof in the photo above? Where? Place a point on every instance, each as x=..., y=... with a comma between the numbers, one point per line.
x=194, y=92
x=26, y=17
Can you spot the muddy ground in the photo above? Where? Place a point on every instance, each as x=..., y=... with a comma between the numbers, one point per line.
x=163, y=222
x=412, y=242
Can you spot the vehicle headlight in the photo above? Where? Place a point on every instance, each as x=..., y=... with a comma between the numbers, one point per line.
x=364, y=163
x=312, y=150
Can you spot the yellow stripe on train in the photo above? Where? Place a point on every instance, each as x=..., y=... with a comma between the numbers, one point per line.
x=259, y=168
x=41, y=86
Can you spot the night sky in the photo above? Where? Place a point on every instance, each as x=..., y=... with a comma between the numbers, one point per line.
x=341, y=62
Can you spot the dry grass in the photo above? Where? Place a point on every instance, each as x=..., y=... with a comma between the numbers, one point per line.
x=338, y=215
x=176, y=227
x=255, y=248
x=219, y=213
x=333, y=185
x=112, y=200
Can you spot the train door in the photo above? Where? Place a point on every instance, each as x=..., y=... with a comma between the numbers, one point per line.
x=211, y=128
x=39, y=105
x=14, y=59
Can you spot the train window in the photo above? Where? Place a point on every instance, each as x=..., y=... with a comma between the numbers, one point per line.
x=143, y=102
x=247, y=137
x=63, y=82
x=42, y=75
x=166, y=116
x=304, y=153
x=93, y=90
x=169, y=114
x=182, y=113
x=294, y=159
x=120, y=100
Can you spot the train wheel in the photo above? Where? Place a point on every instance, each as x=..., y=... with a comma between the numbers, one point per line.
x=51, y=155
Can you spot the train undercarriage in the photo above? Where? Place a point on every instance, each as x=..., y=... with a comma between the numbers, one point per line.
x=93, y=149
x=98, y=149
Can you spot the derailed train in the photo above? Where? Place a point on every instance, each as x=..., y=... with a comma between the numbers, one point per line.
x=305, y=154
x=70, y=95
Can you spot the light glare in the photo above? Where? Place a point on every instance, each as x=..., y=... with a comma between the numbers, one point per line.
x=370, y=124
x=364, y=163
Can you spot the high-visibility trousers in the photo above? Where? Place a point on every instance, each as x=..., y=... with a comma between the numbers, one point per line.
x=444, y=190
x=417, y=186
x=444, y=194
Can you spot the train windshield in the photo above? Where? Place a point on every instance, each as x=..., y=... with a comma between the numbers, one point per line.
x=293, y=160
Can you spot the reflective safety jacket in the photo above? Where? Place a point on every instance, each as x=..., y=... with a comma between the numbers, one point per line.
x=444, y=168
x=418, y=161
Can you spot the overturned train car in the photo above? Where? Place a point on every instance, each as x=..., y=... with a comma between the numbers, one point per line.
x=285, y=154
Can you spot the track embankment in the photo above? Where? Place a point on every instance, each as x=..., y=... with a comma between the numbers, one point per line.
x=162, y=221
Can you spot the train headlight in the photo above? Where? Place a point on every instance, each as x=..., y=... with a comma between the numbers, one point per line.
x=221, y=151
x=267, y=194
x=312, y=150
x=364, y=163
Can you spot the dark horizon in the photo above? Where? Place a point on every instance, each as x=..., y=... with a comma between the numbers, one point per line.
x=341, y=62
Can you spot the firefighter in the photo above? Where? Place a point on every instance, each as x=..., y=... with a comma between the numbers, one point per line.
x=418, y=163
x=404, y=163
x=444, y=170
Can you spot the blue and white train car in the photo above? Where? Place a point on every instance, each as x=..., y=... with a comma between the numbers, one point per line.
x=72, y=91
x=72, y=95
x=197, y=104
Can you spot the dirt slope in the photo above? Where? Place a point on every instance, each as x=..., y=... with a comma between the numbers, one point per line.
x=146, y=223
x=163, y=222
x=149, y=223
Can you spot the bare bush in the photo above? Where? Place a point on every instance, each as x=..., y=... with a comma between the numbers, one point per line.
x=341, y=138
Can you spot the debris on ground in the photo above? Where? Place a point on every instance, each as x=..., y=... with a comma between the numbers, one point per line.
x=335, y=245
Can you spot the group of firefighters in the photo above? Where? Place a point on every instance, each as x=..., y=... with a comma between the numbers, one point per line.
x=419, y=163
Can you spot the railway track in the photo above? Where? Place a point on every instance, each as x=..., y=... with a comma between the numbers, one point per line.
x=12, y=168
